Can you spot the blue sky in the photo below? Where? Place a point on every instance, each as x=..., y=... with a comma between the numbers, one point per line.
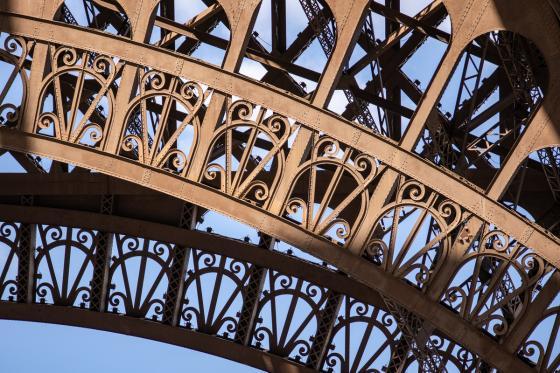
x=32, y=347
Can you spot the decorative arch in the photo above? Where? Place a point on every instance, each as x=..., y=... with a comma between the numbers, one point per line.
x=60, y=248
x=330, y=193
x=77, y=98
x=163, y=121
x=360, y=152
x=215, y=290
x=139, y=275
x=248, y=153
x=414, y=234
x=375, y=332
x=288, y=315
x=474, y=293
x=324, y=309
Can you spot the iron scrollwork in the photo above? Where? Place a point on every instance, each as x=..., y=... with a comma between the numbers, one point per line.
x=288, y=313
x=331, y=191
x=214, y=290
x=13, y=78
x=163, y=121
x=414, y=233
x=78, y=96
x=139, y=275
x=64, y=265
x=247, y=156
x=495, y=282
x=10, y=234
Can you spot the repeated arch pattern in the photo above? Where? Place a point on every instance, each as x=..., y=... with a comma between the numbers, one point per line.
x=217, y=283
x=454, y=236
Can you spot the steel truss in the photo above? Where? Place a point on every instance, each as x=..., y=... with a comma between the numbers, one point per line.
x=436, y=264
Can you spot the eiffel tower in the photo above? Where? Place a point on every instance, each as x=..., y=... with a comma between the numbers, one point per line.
x=294, y=185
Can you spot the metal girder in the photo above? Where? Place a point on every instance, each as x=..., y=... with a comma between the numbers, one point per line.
x=252, y=293
x=197, y=239
x=202, y=240
x=102, y=256
x=467, y=196
x=26, y=259
x=331, y=153
x=393, y=38
x=417, y=24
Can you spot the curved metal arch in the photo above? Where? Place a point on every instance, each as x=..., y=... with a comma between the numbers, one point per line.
x=382, y=282
x=385, y=150
x=483, y=346
x=209, y=242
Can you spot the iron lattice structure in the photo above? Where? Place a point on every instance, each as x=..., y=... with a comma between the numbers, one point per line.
x=398, y=203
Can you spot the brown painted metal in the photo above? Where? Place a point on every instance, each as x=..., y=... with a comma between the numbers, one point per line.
x=328, y=186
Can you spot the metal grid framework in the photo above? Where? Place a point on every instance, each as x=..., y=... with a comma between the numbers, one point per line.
x=422, y=219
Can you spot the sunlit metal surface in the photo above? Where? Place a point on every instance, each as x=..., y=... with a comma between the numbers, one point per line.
x=292, y=184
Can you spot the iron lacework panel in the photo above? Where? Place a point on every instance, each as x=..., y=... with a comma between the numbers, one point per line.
x=245, y=155
x=294, y=318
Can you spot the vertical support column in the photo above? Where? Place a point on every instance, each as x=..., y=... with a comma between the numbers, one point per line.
x=141, y=23
x=322, y=337
x=393, y=94
x=101, y=260
x=116, y=127
x=278, y=18
x=348, y=32
x=253, y=290
x=176, y=288
x=26, y=259
x=242, y=21
x=32, y=104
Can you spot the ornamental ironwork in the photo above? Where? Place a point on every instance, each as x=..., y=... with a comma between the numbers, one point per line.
x=303, y=185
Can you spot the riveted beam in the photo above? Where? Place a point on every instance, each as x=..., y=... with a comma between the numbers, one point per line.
x=322, y=338
x=26, y=279
x=251, y=295
x=101, y=260
x=176, y=288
